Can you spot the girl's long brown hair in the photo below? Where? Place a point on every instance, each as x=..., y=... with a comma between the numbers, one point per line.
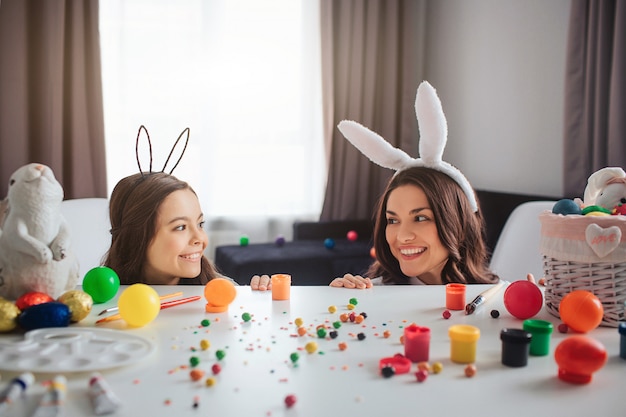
x=460, y=230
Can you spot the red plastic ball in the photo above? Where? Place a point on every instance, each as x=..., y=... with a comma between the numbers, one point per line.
x=290, y=400
x=578, y=357
x=581, y=310
x=523, y=299
x=32, y=299
x=352, y=235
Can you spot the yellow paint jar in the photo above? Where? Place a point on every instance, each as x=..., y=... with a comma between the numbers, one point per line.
x=463, y=340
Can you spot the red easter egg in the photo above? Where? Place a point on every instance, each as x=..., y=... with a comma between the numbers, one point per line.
x=32, y=299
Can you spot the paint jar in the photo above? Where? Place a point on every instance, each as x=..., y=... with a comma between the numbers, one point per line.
x=541, y=331
x=455, y=296
x=515, y=347
x=463, y=341
x=622, y=342
x=416, y=343
x=281, y=286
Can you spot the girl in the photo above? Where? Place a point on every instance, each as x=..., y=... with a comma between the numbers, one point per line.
x=157, y=234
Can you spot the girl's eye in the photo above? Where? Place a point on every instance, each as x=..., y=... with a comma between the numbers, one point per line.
x=180, y=228
x=421, y=218
x=391, y=221
x=201, y=224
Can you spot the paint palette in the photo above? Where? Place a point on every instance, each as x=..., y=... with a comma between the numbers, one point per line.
x=69, y=349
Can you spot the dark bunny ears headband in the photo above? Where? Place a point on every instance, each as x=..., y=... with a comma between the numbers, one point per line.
x=433, y=137
x=143, y=128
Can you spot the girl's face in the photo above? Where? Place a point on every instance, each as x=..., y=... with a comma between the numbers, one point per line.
x=412, y=236
x=179, y=240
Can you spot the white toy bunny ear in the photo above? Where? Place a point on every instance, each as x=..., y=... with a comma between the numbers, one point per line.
x=433, y=137
x=598, y=180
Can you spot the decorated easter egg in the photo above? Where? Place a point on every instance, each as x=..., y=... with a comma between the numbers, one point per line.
x=32, y=298
x=79, y=302
x=52, y=314
x=566, y=206
x=8, y=315
x=101, y=283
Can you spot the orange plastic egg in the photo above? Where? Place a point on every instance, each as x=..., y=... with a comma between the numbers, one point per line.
x=581, y=310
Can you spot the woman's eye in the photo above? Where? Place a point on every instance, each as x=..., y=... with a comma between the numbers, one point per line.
x=421, y=218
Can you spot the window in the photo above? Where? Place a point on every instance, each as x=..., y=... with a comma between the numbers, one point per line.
x=244, y=75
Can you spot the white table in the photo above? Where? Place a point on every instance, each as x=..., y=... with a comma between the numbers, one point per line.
x=257, y=373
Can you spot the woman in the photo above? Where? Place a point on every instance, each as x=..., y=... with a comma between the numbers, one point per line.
x=426, y=232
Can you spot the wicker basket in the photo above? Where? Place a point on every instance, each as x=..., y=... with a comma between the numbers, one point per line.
x=585, y=253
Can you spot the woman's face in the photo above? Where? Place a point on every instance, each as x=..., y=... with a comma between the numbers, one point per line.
x=412, y=236
x=179, y=240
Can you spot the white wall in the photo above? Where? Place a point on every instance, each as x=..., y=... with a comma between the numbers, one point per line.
x=499, y=67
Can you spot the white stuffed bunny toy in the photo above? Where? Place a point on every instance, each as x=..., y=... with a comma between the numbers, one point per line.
x=607, y=188
x=34, y=238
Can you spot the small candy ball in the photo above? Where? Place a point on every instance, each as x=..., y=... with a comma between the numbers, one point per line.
x=209, y=382
x=216, y=368
x=578, y=357
x=495, y=314
x=101, y=283
x=387, y=371
x=352, y=235
x=321, y=332
x=139, y=304
x=79, y=302
x=205, y=344
x=437, y=367
x=523, y=299
x=196, y=374
x=205, y=323
x=563, y=328
x=446, y=314
x=244, y=240
x=329, y=243
x=8, y=315
x=290, y=400
x=566, y=206
x=353, y=301
x=332, y=309
x=581, y=310
x=280, y=241
x=302, y=331
x=246, y=317
x=298, y=322
x=333, y=334
x=32, y=298
x=294, y=357
x=220, y=354
x=360, y=336
x=194, y=361
x=311, y=347
x=470, y=370
x=343, y=346
x=421, y=375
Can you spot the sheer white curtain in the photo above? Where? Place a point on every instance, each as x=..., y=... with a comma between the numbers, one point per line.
x=244, y=75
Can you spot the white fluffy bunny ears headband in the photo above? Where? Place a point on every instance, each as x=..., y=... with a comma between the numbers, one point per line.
x=433, y=137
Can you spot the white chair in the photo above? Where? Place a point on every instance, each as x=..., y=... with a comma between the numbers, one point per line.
x=88, y=221
x=517, y=251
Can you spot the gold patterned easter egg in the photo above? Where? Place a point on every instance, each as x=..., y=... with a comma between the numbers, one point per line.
x=79, y=302
x=8, y=315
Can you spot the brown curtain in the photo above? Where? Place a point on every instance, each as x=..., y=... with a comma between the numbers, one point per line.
x=595, y=91
x=51, y=108
x=371, y=67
